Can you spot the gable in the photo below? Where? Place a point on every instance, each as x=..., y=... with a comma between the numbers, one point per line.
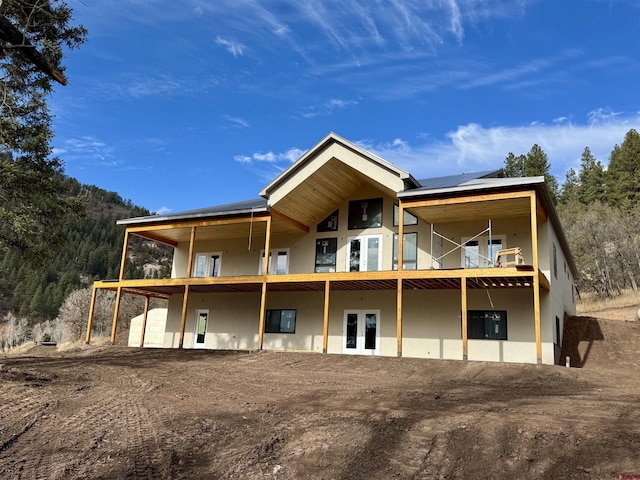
x=328, y=174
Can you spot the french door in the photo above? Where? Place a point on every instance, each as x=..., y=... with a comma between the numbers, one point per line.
x=361, y=332
x=364, y=253
x=200, y=330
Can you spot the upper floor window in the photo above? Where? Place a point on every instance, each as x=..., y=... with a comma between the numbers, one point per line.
x=207, y=264
x=278, y=262
x=329, y=224
x=365, y=213
x=479, y=252
x=409, y=218
x=409, y=251
x=326, y=249
x=555, y=262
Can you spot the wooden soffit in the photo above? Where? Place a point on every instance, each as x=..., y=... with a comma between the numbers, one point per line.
x=475, y=207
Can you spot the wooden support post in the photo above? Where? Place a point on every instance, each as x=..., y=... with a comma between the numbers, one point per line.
x=192, y=240
x=144, y=320
x=123, y=261
x=116, y=310
x=465, y=340
x=399, y=316
x=325, y=328
x=267, y=247
x=400, y=237
x=536, y=278
x=183, y=321
x=263, y=315
x=263, y=295
x=92, y=308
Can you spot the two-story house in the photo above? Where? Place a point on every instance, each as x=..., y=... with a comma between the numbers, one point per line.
x=312, y=265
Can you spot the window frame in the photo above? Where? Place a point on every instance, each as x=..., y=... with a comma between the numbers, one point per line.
x=329, y=224
x=360, y=214
x=268, y=322
x=318, y=265
x=207, y=265
x=273, y=266
x=480, y=315
x=396, y=215
x=394, y=252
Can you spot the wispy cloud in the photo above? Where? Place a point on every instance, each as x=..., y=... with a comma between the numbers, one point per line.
x=234, y=48
x=236, y=122
x=328, y=107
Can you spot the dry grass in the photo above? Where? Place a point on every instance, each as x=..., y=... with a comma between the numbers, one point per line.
x=589, y=302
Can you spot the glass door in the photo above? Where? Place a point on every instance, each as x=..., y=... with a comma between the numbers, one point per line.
x=364, y=253
x=200, y=331
x=361, y=334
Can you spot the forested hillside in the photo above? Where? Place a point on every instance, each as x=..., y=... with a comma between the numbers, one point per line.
x=92, y=251
x=600, y=212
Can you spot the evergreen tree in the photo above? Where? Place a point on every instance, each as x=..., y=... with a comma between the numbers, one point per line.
x=32, y=209
x=570, y=188
x=623, y=174
x=591, y=179
x=534, y=163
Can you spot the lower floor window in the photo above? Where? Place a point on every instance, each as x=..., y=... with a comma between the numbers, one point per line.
x=280, y=321
x=490, y=325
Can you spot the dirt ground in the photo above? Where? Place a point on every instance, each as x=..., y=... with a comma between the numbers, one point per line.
x=102, y=412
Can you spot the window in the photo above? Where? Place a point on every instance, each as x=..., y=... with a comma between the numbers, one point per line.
x=479, y=252
x=329, y=224
x=555, y=262
x=558, y=337
x=487, y=325
x=365, y=213
x=409, y=218
x=409, y=251
x=326, y=249
x=280, y=321
x=278, y=262
x=207, y=264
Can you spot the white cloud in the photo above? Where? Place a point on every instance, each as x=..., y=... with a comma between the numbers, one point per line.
x=234, y=48
x=163, y=210
x=284, y=158
x=473, y=147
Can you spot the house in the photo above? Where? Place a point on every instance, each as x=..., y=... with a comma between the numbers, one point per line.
x=312, y=265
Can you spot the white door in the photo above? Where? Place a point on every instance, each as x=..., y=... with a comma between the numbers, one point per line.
x=361, y=332
x=364, y=253
x=200, y=330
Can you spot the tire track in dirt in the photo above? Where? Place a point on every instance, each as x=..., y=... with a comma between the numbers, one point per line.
x=118, y=432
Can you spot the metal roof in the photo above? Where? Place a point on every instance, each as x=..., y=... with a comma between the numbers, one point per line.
x=455, y=180
x=258, y=205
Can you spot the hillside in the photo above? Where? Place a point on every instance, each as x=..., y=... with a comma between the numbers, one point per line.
x=117, y=412
x=93, y=251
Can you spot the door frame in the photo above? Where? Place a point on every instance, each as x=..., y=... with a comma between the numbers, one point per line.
x=360, y=334
x=197, y=344
x=364, y=247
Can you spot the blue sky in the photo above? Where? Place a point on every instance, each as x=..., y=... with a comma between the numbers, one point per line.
x=186, y=104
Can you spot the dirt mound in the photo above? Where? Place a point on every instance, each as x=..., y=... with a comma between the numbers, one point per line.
x=610, y=343
x=124, y=413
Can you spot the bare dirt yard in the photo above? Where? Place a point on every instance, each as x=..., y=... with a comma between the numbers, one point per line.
x=103, y=412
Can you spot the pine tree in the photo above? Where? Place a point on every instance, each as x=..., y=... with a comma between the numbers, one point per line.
x=623, y=174
x=570, y=188
x=591, y=178
x=533, y=164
